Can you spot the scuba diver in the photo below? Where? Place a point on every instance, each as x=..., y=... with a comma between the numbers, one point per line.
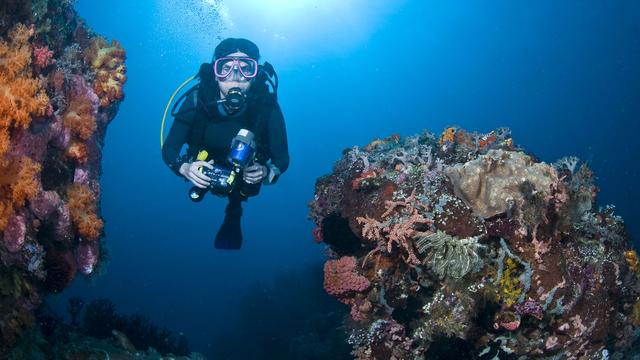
x=234, y=130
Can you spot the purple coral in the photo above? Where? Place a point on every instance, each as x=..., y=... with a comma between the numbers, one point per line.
x=529, y=307
x=47, y=206
x=15, y=233
x=87, y=256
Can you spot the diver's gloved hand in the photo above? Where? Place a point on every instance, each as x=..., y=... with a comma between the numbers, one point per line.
x=255, y=173
x=192, y=173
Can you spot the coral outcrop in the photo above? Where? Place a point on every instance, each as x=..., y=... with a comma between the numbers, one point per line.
x=462, y=246
x=60, y=86
x=97, y=331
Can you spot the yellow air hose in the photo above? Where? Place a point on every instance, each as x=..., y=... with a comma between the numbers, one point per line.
x=166, y=109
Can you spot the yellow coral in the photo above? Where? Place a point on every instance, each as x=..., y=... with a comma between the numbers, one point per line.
x=632, y=260
x=509, y=283
x=108, y=62
x=21, y=96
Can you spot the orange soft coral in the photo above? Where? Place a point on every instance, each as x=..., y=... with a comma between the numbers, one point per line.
x=448, y=136
x=77, y=151
x=21, y=96
x=108, y=62
x=80, y=118
x=82, y=207
x=4, y=142
x=18, y=183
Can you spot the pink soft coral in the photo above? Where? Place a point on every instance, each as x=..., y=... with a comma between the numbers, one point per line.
x=42, y=57
x=342, y=281
x=340, y=277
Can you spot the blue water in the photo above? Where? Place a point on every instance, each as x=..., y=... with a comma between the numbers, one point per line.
x=563, y=76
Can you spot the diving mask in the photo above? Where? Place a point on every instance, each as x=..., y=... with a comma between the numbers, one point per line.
x=242, y=65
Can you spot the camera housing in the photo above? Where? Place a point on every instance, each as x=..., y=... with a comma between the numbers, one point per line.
x=242, y=152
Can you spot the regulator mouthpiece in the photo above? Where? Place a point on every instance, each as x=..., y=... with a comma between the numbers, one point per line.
x=235, y=99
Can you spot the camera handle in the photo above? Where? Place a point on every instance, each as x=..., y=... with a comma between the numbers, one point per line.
x=196, y=194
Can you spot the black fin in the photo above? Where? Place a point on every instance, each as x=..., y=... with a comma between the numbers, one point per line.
x=229, y=236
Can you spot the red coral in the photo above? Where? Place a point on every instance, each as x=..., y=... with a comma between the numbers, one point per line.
x=82, y=207
x=487, y=140
x=42, y=57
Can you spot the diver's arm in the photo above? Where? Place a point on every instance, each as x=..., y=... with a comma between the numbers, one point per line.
x=278, y=146
x=178, y=135
x=173, y=144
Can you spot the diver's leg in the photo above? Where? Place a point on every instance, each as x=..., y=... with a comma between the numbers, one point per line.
x=229, y=237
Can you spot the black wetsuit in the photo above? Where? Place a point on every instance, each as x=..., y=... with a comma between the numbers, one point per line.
x=210, y=128
x=203, y=124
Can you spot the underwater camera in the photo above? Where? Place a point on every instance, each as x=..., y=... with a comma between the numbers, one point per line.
x=224, y=178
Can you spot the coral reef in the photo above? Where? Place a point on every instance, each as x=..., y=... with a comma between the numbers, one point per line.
x=102, y=334
x=60, y=86
x=463, y=246
x=100, y=320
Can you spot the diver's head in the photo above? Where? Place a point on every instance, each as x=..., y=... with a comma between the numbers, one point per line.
x=235, y=65
x=236, y=70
